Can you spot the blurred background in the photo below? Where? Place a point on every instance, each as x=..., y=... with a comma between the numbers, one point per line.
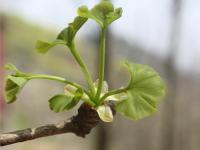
x=164, y=34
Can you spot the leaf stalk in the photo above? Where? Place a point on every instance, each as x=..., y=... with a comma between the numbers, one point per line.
x=102, y=63
x=84, y=68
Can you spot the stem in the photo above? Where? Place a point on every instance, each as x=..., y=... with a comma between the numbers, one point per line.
x=102, y=63
x=84, y=68
x=60, y=79
x=113, y=92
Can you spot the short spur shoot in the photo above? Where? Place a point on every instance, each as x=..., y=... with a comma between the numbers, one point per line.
x=139, y=99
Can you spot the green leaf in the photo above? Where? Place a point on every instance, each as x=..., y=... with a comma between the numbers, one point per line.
x=77, y=96
x=13, y=87
x=61, y=102
x=14, y=83
x=66, y=36
x=114, y=15
x=69, y=33
x=105, y=113
x=43, y=47
x=103, y=13
x=146, y=89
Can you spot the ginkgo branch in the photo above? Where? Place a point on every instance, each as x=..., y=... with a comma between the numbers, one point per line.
x=81, y=125
x=138, y=100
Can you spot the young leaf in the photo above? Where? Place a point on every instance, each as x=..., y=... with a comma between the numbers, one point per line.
x=14, y=83
x=69, y=33
x=43, y=47
x=103, y=13
x=66, y=36
x=60, y=102
x=114, y=15
x=145, y=90
x=105, y=113
x=13, y=87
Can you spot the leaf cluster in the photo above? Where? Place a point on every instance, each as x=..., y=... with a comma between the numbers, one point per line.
x=139, y=99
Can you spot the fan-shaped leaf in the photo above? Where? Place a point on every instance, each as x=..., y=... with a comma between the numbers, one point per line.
x=69, y=33
x=43, y=47
x=66, y=36
x=103, y=13
x=145, y=91
x=13, y=87
x=60, y=102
